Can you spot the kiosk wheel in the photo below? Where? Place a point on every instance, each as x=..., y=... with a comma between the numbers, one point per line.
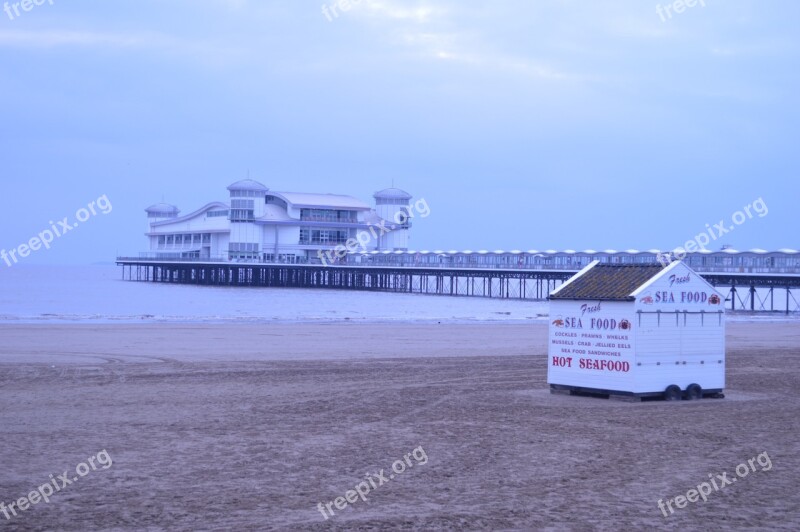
x=673, y=393
x=694, y=392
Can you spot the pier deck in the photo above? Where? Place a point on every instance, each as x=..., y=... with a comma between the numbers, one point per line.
x=743, y=291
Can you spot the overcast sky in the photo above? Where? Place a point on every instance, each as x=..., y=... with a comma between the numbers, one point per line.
x=525, y=124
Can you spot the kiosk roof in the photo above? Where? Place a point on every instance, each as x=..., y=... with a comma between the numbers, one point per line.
x=609, y=282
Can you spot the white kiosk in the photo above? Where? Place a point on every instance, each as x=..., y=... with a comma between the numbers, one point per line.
x=637, y=331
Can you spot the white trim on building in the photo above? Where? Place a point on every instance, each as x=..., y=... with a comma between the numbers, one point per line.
x=264, y=225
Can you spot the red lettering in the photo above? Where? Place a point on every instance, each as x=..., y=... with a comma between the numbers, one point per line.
x=603, y=323
x=562, y=362
x=604, y=365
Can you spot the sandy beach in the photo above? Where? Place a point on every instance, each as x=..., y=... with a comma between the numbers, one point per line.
x=249, y=427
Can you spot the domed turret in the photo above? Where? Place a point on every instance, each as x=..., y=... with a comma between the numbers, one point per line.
x=392, y=196
x=162, y=208
x=247, y=185
x=161, y=211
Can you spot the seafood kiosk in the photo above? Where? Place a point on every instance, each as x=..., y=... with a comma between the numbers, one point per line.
x=637, y=331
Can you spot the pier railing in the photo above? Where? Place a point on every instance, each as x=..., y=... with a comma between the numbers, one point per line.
x=743, y=291
x=351, y=262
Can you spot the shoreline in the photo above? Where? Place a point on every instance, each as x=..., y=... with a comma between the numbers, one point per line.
x=331, y=340
x=503, y=318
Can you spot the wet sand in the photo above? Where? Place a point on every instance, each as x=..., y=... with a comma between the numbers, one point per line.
x=248, y=427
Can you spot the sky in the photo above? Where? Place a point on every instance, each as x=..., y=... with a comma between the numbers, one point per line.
x=524, y=124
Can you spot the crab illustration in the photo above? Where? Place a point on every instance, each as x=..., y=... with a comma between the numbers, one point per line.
x=713, y=299
x=558, y=322
x=625, y=325
x=647, y=300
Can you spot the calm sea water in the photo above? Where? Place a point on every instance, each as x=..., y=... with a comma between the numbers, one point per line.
x=32, y=294
x=78, y=294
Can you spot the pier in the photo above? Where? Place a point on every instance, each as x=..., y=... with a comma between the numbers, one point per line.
x=756, y=292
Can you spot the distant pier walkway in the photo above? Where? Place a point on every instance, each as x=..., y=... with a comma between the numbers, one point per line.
x=743, y=291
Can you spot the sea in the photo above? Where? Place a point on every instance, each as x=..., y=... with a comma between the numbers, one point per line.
x=97, y=294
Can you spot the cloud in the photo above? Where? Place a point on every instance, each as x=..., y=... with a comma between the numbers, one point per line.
x=209, y=52
x=432, y=32
x=57, y=38
x=423, y=13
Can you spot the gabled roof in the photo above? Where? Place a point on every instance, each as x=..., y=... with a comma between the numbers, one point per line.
x=331, y=201
x=607, y=282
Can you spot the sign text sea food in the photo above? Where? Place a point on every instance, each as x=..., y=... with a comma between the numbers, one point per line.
x=679, y=290
x=592, y=339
